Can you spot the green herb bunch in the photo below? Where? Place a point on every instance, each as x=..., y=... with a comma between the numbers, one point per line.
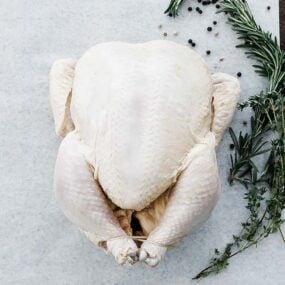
x=265, y=185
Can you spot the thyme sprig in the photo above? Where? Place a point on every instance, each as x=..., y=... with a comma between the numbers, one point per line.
x=265, y=184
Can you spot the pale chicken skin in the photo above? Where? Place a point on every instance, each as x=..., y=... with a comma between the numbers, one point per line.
x=140, y=124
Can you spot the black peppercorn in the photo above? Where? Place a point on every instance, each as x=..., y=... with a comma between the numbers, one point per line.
x=190, y=41
x=268, y=7
x=215, y=22
x=190, y=9
x=239, y=74
x=209, y=29
x=208, y=52
x=232, y=146
x=218, y=6
x=193, y=44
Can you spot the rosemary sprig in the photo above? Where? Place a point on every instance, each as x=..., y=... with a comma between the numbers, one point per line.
x=172, y=9
x=266, y=185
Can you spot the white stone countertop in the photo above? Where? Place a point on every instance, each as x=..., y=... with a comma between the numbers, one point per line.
x=38, y=244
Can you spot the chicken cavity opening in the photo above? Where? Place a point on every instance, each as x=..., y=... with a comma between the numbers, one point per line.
x=141, y=223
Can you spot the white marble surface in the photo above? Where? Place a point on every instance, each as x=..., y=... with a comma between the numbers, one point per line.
x=38, y=244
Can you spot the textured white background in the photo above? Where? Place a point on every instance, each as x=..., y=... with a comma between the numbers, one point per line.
x=38, y=245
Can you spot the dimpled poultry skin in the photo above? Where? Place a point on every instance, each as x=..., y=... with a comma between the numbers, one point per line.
x=136, y=169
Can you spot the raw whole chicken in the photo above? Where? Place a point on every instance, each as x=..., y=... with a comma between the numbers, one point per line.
x=136, y=169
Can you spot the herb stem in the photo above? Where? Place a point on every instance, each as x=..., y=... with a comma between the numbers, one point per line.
x=279, y=228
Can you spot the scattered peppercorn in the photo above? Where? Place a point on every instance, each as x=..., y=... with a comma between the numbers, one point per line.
x=165, y=34
x=214, y=1
x=209, y=29
x=218, y=6
x=244, y=123
x=215, y=22
x=199, y=1
x=199, y=10
x=232, y=146
x=193, y=44
x=170, y=14
x=190, y=9
x=268, y=7
x=222, y=59
x=239, y=74
x=208, y=52
x=190, y=41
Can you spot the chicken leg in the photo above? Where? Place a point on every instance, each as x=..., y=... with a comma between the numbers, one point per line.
x=82, y=201
x=190, y=204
